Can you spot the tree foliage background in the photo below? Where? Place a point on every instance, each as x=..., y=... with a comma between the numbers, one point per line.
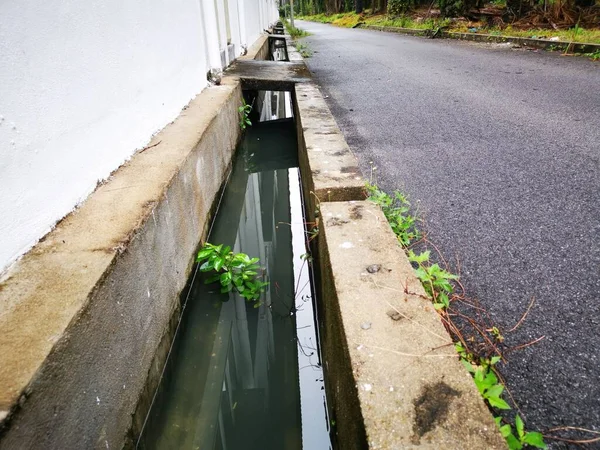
x=563, y=12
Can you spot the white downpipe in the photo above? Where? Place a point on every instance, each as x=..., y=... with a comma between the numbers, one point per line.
x=212, y=30
x=221, y=28
x=242, y=22
x=234, y=22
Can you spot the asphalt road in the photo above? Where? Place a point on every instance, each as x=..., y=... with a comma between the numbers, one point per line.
x=500, y=150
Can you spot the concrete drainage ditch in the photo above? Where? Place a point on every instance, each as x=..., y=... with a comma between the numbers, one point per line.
x=96, y=302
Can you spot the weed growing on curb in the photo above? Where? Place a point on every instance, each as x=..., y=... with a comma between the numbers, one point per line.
x=436, y=281
x=594, y=56
x=304, y=49
x=480, y=351
x=244, y=112
x=232, y=270
x=532, y=438
x=294, y=32
x=397, y=211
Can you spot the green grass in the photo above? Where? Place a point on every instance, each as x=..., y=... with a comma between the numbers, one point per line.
x=573, y=35
x=347, y=20
x=576, y=34
x=294, y=32
x=304, y=49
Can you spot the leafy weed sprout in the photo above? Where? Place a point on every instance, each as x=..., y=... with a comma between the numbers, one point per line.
x=396, y=210
x=304, y=49
x=478, y=353
x=244, y=112
x=234, y=271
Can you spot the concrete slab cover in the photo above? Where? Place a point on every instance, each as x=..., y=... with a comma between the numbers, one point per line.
x=269, y=75
x=412, y=389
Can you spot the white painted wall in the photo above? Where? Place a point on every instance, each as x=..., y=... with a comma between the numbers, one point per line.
x=85, y=84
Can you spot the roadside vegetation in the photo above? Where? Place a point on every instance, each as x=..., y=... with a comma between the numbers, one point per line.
x=296, y=33
x=351, y=19
x=481, y=346
x=561, y=20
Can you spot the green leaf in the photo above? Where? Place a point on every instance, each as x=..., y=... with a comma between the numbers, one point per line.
x=495, y=360
x=420, y=258
x=468, y=365
x=491, y=378
x=213, y=278
x=505, y=430
x=498, y=403
x=225, y=278
x=520, y=426
x=218, y=264
x=204, y=253
x=479, y=375
x=513, y=443
x=534, y=439
x=495, y=391
x=421, y=274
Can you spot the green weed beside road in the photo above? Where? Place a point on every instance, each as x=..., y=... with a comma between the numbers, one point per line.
x=478, y=343
x=349, y=20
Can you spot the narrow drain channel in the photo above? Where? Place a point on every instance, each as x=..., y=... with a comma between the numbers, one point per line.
x=240, y=377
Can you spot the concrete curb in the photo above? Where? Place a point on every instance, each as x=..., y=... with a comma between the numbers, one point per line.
x=578, y=47
x=385, y=344
x=388, y=387
x=85, y=315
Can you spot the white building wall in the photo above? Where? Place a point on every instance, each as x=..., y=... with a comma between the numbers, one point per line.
x=85, y=84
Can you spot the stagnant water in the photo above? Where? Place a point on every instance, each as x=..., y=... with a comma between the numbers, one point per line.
x=240, y=377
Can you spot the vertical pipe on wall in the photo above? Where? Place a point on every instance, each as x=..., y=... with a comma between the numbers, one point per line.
x=242, y=22
x=210, y=25
x=221, y=29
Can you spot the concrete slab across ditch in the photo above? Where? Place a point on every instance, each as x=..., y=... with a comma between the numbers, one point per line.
x=269, y=75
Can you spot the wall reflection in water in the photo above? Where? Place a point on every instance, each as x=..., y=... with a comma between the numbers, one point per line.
x=232, y=378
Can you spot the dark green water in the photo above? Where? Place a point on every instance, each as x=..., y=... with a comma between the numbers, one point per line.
x=240, y=377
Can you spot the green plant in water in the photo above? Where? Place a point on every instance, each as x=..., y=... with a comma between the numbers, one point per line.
x=234, y=271
x=522, y=438
x=244, y=112
x=436, y=281
x=397, y=212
